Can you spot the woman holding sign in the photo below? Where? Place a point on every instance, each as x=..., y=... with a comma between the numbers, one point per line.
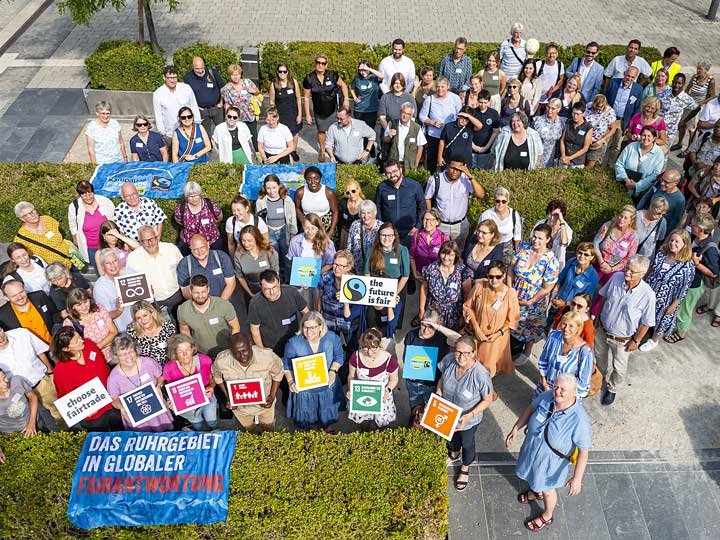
x=131, y=372
x=371, y=363
x=465, y=383
x=313, y=242
x=341, y=318
x=321, y=403
x=254, y=256
x=94, y=320
x=558, y=433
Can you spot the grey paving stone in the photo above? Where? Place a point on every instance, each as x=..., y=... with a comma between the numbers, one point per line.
x=505, y=516
x=583, y=517
x=467, y=519
x=44, y=36
x=621, y=507
x=660, y=508
x=699, y=508
x=37, y=144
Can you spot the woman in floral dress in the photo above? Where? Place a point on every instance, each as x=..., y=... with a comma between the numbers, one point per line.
x=238, y=92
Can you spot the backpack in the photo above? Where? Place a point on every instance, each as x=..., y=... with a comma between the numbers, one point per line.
x=710, y=282
x=256, y=220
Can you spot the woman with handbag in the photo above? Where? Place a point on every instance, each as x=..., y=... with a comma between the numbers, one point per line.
x=42, y=235
x=558, y=433
x=190, y=142
x=651, y=226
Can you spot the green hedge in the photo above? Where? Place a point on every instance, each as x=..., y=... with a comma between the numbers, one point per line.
x=386, y=484
x=124, y=65
x=592, y=196
x=214, y=55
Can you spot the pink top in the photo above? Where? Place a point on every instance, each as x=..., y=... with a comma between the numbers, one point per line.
x=636, y=124
x=91, y=228
x=390, y=365
x=204, y=222
x=96, y=327
x=172, y=373
x=424, y=252
x=122, y=256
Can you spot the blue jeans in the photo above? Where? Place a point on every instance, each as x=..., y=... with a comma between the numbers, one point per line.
x=480, y=161
x=418, y=393
x=206, y=413
x=278, y=240
x=91, y=256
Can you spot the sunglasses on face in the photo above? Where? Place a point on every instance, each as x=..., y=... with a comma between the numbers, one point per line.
x=232, y=116
x=282, y=70
x=141, y=124
x=495, y=276
x=351, y=191
x=321, y=63
x=185, y=117
x=576, y=305
x=500, y=201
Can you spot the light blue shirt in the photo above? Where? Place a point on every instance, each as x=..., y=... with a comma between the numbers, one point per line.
x=649, y=165
x=578, y=362
x=625, y=309
x=444, y=110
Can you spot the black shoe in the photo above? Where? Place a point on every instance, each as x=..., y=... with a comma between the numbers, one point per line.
x=294, y=156
x=608, y=398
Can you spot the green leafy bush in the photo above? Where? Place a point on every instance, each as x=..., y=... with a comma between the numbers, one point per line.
x=592, y=196
x=214, y=56
x=124, y=65
x=386, y=484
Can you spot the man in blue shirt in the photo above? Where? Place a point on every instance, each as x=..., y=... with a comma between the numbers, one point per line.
x=206, y=85
x=624, y=95
x=457, y=67
x=667, y=187
x=400, y=201
x=591, y=72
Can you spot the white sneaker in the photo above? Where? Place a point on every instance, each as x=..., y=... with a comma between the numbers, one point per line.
x=521, y=360
x=649, y=345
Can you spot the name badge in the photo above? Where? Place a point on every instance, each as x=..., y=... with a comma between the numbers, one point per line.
x=467, y=394
x=497, y=305
x=139, y=145
x=280, y=210
x=495, y=77
x=633, y=99
x=356, y=133
x=262, y=264
x=16, y=398
x=411, y=139
x=436, y=249
x=217, y=271
x=523, y=154
x=205, y=221
x=540, y=417
x=486, y=263
x=579, y=284
x=453, y=286
x=214, y=320
x=458, y=70
x=92, y=355
x=581, y=132
x=290, y=320
x=49, y=234
x=364, y=87
x=328, y=83
x=172, y=266
x=43, y=308
x=393, y=260
x=624, y=243
x=391, y=197
x=101, y=322
x=345, y=216
x=145, y=377
x=290, y=91
x=383, y=318
x=198, y=139
x=210, y=85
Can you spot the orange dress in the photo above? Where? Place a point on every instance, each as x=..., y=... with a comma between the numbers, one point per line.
x=482, y=316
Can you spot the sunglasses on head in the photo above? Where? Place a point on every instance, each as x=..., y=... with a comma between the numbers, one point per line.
x=186, y=117
x=233, y=116
x=141, y=124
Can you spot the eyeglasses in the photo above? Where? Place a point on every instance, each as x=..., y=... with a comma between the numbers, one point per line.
x=500, y=201
x=513, y=86
x=282, y=70
x=171, y=76
x=576, y=305
x=142, y=124
x=465, y=354
x=349, y=191
x=495, y=276
x=232, y=116
x=269, y=289
x=314, y=327
x=592, y=53
x=387, y=236
x=583, y=254
x=185, y=117
x=28, y=213
x=319, y=63
x=340, y=265
x=148, y=240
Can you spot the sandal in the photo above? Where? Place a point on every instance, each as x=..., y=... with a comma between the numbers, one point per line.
x=524, y=497
x=715, y=322
x=674, y=147
x=462, y=484
x=674, y=338
x=532, y=524
x=701, y=310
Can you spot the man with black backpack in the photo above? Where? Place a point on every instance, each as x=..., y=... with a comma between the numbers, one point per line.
x=551, y=72
x=206, y=84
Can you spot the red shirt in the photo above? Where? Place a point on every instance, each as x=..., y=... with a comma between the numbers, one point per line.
x=70, y=374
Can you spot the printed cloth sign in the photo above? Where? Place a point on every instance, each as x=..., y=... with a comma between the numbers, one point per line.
x=291, y=176
x=305, y=271
x=132, y=479
x=441, y=416
x=366, y=397
x=368, y=291
x=420, y=363
x=153, y=179
x=187, y=394
x=142, y=404
x=246, y=392
x=82, y=402
x=132, y=288
x=310, y=371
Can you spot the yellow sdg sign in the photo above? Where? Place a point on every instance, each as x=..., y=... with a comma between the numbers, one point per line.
x=368, y=291
x=310, y=371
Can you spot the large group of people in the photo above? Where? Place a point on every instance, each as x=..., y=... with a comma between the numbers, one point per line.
x=488, y=292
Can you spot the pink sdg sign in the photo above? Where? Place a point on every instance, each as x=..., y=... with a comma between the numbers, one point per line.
x=187, y=394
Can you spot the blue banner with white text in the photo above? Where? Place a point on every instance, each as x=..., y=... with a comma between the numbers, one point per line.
x=291, y=177
x=135, y=479
x=154, y=179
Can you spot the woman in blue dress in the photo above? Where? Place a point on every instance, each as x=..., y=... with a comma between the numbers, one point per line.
x=565, y=351
x=670, y=276
x=557, y=425
x=317, y=405
x=190, y=141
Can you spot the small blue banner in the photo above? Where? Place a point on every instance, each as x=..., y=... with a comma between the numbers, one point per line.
x=291, y=176
x=420, y=363
x=135, y=479
x=154, y=179
x=305, y=271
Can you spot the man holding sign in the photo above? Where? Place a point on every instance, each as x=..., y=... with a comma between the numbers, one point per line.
x=246, y=362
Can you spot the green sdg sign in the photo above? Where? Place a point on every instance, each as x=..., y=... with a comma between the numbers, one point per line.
x=366, y=397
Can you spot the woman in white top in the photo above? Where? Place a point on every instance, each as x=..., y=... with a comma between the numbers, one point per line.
x=561, y=232
x=233, y=139
x=315, y=198
x=104, y=138
x=241, y=216
x=508, y=221
x=26, y=266
x=275, y=141
x=85, y=216
x=531, y=85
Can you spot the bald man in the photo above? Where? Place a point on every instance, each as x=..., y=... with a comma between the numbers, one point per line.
x=206, y=84
x=136, y=211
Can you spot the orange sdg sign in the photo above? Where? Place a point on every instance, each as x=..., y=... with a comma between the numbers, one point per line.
x=441, y=416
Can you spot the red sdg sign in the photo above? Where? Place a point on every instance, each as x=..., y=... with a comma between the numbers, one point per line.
x=246, y=392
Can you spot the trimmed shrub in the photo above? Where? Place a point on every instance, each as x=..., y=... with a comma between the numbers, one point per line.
x=592, y=196
x=214, y=56
x=386, y=484
x=124, y=65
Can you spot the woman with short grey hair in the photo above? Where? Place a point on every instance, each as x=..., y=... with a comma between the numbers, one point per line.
x=62, y=281
x=198, y=215
x=147, y=145
x=104, y=137
x=362, y=233
x=550, y=127
x=517, y=146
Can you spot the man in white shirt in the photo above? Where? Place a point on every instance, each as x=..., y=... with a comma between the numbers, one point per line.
x=397, y=63
x=158, y=261
x=709, y=115
x=618, y=65
x=406, y=140
x=167, y=101
x=551, y=72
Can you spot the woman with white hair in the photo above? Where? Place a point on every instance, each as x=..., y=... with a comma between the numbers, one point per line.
x=62, y=281
x=197, y=215
x=508, y=221
x=512, y=52
x=42, y=235
x=550, y=127
x=362, y=233
x=517, y=146
x=104, y=137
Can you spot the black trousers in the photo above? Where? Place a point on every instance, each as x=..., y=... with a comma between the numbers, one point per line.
x=109, y=421
x=431, y=153
x=464, y=440
x=211, y=117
